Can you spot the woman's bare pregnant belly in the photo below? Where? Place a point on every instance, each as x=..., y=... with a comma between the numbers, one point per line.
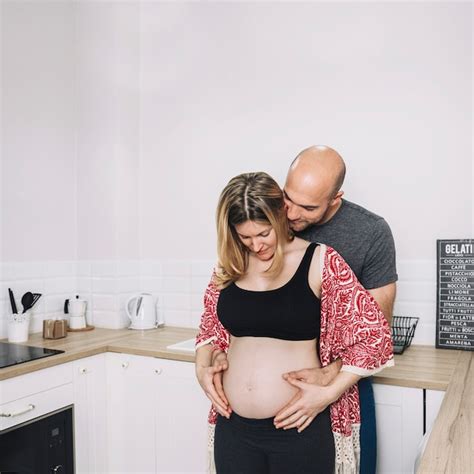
x=253, y=383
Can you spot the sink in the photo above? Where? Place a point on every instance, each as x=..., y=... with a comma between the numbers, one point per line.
x=185, y=346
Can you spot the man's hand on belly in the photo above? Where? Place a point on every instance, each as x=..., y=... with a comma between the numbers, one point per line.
x=322, y=376
x=303, y=408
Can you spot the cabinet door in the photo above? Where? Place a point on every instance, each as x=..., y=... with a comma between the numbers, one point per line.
x=90, y=406
x=399, y=412
x=131, y=413
x=181, y=419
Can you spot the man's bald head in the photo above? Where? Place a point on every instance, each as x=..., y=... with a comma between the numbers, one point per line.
x=319, y=165
x=313, y=186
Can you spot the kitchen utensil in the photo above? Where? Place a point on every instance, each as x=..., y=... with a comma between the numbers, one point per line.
x=36, y=297
x=12, y=302
x=27, y=301
x=140, y=310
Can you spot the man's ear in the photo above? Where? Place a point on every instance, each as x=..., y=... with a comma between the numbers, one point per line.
x=337, y=197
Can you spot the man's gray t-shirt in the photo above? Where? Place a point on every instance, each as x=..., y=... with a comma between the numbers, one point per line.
x=363, y=239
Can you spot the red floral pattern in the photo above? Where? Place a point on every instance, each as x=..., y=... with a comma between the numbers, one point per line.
x=353, y=328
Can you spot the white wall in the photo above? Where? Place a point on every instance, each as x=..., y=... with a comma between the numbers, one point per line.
x=38, y=132
x=229, y=88
x=108, y=129
x=38, y=182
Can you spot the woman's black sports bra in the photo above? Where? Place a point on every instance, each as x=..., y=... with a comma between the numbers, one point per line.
x=290, y=312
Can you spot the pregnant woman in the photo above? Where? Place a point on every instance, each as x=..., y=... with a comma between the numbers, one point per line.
x=276, y=304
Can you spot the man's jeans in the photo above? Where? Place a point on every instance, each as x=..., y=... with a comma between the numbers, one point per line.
x=368, y=433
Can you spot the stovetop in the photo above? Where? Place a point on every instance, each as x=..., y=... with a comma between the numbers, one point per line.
x=13, y=354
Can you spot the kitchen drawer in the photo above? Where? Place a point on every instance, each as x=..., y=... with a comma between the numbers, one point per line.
x=35, y=405
x=35, y=382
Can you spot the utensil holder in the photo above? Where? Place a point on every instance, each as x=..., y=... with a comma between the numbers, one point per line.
x=17, y=328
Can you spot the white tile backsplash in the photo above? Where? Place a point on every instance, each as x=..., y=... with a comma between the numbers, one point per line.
x=84, y=285
x=63, y=285
x=176, y=268
x=59, y=269
x=175, y=301
x=128, y=268
x=177, y=318
x=104, y=285
x=199, y=283
x=202, y=268
x=197, y=301
x=150, y=268
x=103, y=269
x=84, y=269
x=153, y=285
x=176, y=285
x=105, y=303
x=107, y=319
x=127, y=284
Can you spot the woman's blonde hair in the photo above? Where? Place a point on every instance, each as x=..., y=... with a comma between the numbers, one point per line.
x=248, y=197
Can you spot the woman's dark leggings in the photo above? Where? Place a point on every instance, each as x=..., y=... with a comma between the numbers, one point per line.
x=251, y=446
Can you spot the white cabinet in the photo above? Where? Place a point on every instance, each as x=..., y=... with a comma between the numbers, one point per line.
x=399, y=412
x=131, y=420
x=90, y=407
x=157, y=416
x=181, y=419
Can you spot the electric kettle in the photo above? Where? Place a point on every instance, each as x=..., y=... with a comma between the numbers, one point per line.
x=141, y=311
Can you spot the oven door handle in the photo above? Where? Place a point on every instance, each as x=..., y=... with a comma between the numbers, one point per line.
x=18, y=413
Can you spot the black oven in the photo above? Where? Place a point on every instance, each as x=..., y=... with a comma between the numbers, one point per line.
x=43, y=445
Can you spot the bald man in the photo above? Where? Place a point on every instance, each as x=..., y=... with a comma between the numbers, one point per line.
x=318, y=213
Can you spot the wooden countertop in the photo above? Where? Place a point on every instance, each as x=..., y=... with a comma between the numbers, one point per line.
x=451, y=445
x=84, y=344
x=419, y=366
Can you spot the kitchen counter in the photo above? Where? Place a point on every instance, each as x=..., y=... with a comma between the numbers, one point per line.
x=87, y=343
x=451, y=443
x=450, y=448
x=419, y=366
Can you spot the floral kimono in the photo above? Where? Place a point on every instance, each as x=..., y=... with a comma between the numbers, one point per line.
x=353, y=329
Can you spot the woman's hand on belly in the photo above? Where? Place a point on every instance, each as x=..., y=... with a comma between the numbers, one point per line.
x=210, y=379
x=302, y=409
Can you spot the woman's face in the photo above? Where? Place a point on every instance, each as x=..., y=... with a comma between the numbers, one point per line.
x=259, y=237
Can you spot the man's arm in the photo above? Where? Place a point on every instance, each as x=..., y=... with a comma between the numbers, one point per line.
x=385, y=297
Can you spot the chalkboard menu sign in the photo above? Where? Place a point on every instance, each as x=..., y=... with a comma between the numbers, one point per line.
x=455, y=295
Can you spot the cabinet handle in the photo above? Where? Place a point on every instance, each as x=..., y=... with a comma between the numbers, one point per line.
x=83, y=370
x=57, y=468
x=18, y=413
x=125, y=365
x=158, y=371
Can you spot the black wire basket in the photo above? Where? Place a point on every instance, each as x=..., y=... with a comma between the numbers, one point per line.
x=403, y=330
